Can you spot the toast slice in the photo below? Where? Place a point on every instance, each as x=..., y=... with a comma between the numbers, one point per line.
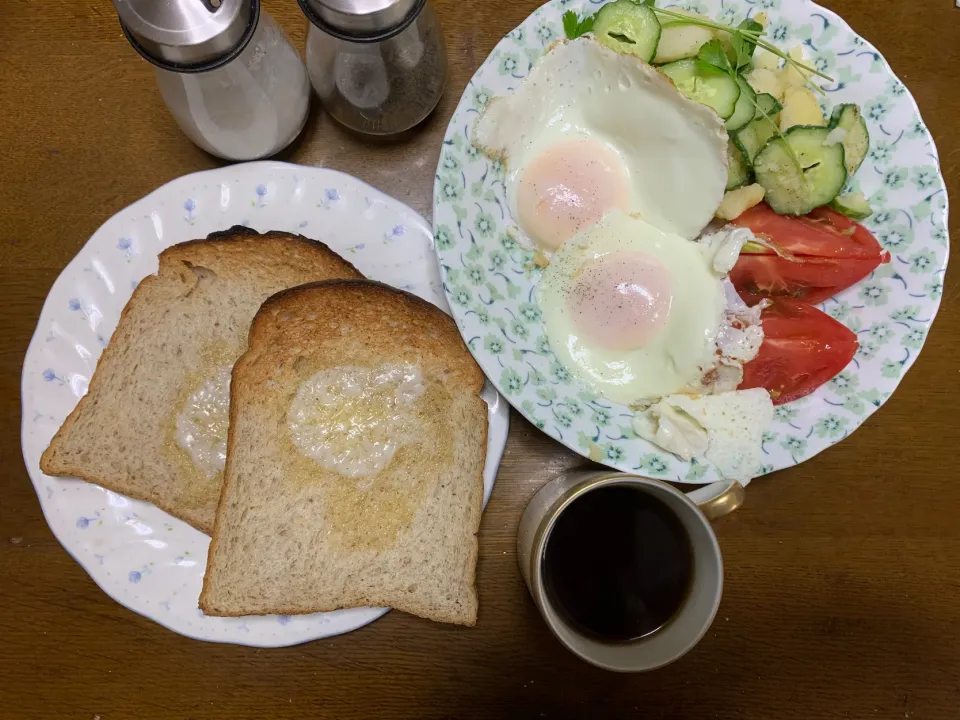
x=140, y=429
x=354, y=472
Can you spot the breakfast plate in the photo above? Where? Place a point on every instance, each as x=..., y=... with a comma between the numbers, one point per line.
x=143, y=558
x=490, y=276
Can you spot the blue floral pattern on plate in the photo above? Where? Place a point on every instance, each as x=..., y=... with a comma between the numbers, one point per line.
x=489, y=276
x=139, y=555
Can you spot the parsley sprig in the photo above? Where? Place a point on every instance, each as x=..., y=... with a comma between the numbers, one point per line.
x=745, y=37
x=574, y=26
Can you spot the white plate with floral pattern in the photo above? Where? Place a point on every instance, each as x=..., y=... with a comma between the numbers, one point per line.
x=489, y=278
x=142, y=557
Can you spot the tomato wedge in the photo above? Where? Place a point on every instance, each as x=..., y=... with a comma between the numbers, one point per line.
x=802, y=349
x=811, y=257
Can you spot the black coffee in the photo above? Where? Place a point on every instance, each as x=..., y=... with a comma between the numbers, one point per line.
x=618, y=563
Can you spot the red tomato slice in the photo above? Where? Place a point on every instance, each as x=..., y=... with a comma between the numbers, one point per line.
x=812, y=257
x=821, y=233
x=812, y=280
x=802, y=349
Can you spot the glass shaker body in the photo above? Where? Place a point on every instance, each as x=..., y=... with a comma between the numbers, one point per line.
x=380, y=86
x=251, y=107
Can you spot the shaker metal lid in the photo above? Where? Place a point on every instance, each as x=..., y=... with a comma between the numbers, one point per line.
x=361, y=19
x=187, y=33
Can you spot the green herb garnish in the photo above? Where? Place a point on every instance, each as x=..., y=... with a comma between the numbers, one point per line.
x=574, y=26
x=743, y=47
x=747, y=33
x=712, y=54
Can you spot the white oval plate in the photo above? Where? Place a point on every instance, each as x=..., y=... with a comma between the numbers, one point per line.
x=489, y=281
x=139, y=555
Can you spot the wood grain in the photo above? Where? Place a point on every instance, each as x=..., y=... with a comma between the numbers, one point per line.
x=842, y=595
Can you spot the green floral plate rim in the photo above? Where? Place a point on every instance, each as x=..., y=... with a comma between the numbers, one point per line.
x=489, y=278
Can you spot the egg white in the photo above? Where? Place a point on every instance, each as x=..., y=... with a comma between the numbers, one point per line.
x=674, y=149
x=679, y=354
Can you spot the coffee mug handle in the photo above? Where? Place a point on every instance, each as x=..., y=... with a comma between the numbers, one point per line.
x=719, y=498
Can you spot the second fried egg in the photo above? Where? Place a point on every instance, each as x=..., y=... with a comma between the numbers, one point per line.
x=637, y=313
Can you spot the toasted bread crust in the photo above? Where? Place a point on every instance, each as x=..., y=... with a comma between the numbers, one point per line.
x=362, y=299
x=392, y=322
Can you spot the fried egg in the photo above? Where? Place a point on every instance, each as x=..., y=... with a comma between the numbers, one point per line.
x=590, y=130
x=636, y=313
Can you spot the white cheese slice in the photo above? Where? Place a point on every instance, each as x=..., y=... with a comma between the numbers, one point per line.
x=724, y=429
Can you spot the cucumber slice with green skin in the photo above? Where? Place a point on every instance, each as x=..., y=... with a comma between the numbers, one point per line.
x=628, y=28
x=768, y=104
x=705, y=84
x=856, y=141
x=853, y=205
x=738, y=171
x=798, y=172
x=738, y=143
x=754, y=135
x=679, y=40
x=751, y=138
x=745, y=107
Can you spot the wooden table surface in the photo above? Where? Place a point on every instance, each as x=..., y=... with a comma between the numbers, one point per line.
x=842, y=596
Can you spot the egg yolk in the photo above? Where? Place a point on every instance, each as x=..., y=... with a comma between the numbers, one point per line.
x=621, y=300
x=568, y=188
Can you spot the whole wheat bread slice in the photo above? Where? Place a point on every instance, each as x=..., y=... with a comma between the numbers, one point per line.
x=293, y=536
x=179, y=325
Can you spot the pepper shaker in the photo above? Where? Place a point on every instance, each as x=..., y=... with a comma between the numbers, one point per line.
x=378, y=66
x=227, y=72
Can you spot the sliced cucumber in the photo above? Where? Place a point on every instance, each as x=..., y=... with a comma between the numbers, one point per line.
x=853, y=205
x=768, y=104
x=798, y=172
x=745, y=107
x=680, y=40
x=735, y=139
x=738, y=172
x=856, y=140
x=705, y=84
x=754, y=136
x=629, y=28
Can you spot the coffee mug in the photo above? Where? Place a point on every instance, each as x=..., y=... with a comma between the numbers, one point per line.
x=689, y=622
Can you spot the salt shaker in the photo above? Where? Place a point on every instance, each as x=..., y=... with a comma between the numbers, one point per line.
x=379, y=66
x=227, y=72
